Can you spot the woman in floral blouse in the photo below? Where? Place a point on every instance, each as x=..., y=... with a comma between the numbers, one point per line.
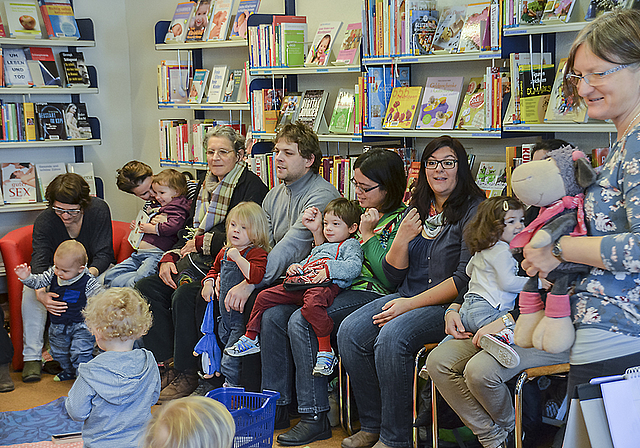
x=604, y=69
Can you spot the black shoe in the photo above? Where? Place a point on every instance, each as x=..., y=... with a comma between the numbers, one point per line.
x=282, y=417
x=310, y=428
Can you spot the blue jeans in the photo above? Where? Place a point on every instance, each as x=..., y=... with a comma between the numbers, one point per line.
x=287, y=339
x=71, y=344
x=476, y=312
x=380, y=364
x=139, y=265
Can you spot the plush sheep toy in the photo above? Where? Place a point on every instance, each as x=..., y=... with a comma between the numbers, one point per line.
x=556, y=184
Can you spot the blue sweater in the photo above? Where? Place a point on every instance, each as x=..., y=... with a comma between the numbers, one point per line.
x=343, y=260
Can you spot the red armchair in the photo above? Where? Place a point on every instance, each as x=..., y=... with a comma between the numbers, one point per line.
x=16, y=248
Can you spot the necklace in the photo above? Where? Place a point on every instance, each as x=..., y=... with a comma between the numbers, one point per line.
x=630, y=125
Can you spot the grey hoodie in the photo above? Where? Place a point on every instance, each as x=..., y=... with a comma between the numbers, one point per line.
x=113, y=395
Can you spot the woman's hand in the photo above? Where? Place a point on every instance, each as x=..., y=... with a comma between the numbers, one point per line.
x=410, y=227
x=238, y=296
x=208, y=288
x=165, y=271
x=312, y=219
x=189, y=247
x=22, y=271
x=453, y=325
x=368, y=222
x=94, y=271
x=539, y=261
x=393, y=308
x=53, y=306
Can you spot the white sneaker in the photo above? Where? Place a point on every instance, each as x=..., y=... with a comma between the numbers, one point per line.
x=499, y=346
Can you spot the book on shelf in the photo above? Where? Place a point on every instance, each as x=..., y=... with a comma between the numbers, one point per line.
x=342, y=116
x=22, y=19
x=198, y=22
x=74, y=69
x=402, y=110
x=46, y=172
x=177, y=82
x=59, y=21
x=412, y=178
x=291, y=32
x=16, y=69
x=245, y=9
x=516, y=156
x=177, y=31
x=515, y=61
x=217, y=83
x=288, y=108
x=84, y=169
x=531, y=11
x=174, y=138
x=50, y=120
x=232, y=86
x=311, y=111
x=220, y=20
x=558, y=10
x=447, y=35
x=492, y=178
x=29, y=119
x=422, y=28
x=198, y=85
x=440, y=102
x=476, y=28
x=18, y=183
x=320, y=51
x=599, y=156
x=536, y=83
x=76, y=121
x=2, y=34
x=562, y=108
x=43, y=68
x=471, y=114
x=350, y=48
x=271, y=102
x=135, y=236
x=380, y=84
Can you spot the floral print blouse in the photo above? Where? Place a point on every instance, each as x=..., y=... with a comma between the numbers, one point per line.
x=610, y=299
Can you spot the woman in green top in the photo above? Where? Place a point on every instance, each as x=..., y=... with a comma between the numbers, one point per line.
x=380, y=181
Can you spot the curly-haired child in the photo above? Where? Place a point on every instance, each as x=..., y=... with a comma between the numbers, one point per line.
x=114, y=392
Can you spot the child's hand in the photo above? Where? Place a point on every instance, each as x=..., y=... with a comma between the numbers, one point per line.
x=157, y=219
x=294, y=269
x=22, y=271
x=208, y=290
x=545, y=284
x=132, y=224
x=147, y=227
x=233, y=254
x=320, y=276
x=218, y=286
x=312, y=219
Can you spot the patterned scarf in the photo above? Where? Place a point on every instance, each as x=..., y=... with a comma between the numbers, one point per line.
x=433, y=224
x=212, y=203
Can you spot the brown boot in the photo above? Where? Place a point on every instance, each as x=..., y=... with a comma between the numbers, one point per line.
x=182, y=386
x=167, y=375
x=6, y=383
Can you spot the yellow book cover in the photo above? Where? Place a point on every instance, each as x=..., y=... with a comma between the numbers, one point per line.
x=402, y=109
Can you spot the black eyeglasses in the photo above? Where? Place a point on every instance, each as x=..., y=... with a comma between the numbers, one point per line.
x=61, y=211
x=594, y=79
x=446, y=164
x=359, y=187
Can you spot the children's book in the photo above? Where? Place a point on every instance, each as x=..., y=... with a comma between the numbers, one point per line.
x=232, y=86
x=535, y=90
x=245, y=9
x=177, y=31
x=561, y=107
x=22, y=19
x=492, y=177
x=403, y=108
x=16, y=69
x=288, y=109
x=76, y=121
x=320, y=51
x=74, y=69
x=312, y=108
x=18, y=183
x=220, y=20
x=136, y=235
x=42, y=63
x=217, y=84
x=350, y=48
x=199, y=21
x=475, y=28
x=447, y=34
x=178, y=82
x=198, y=85
x=558, y=10
x=532, y=11
x=293, y=35
x=471, y=114
x=46, y=172
x=59, y=22
x=342, y=117
x=424, y=23
x=271, y=103
x=50, y=119
x=380, y=84
x=440, y=102
x=84, y=169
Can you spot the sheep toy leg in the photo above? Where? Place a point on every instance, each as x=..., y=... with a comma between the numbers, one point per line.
x=555, y=332
x=531, y=312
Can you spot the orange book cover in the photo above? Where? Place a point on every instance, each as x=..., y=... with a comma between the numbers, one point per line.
x=402, y=108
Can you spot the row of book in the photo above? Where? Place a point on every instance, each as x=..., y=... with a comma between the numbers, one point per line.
x=22, y=183
x=221, y=84
x=282, y=42
x=531, y=12
x=23, y=19
x=416, y=27
x=210, y=20
x=28, y=122
x=36, y=67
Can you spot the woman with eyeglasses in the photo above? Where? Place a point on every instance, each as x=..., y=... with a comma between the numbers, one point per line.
x=380, y=181
x=72, y=214
x=603, y=70
x=426, y=262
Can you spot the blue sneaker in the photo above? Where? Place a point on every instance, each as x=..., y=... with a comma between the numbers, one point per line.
x=243, y=347
x=325, y=363
x=64, y=376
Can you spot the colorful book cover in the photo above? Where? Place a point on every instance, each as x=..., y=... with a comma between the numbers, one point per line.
x=29, y=119
x=22, y=19
x=245, y=9
x=74, y=69
x=76, y=121
x=271, y=103
x=447, y=34
x=46, y=63
x=217, y=84
x=471, y=114
x=198, y=22
x=293, y=37
x=562, y=108
x=46, y=172
x=532, y=11
x=135, y=236
x=2, y=34
x=440, y=102
x=403, y=108
x=18, y=183
x=232, y=86
x=342, y=116
x=178, y=77
x=350, y=48
x=58, y=18
x=288, y=109
x=84, y=169
x=50, y=119
x=475, y=27
x=16, y=70
x=491, y=176
x=515, y=61
x=380, y=84
x=220, y=20
x=198, y=85
x=177, y=31
x=558, y=10
x=535, y=91
x=320, y=51
x=423, y=28
x=312, y=108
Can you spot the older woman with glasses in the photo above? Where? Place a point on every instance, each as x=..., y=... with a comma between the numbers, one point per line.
x=427, y=262
x=72, y=214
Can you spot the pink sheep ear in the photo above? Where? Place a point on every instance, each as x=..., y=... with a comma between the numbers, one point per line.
x=575, y=155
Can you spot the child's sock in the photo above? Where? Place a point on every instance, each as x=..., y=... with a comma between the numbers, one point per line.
x=251, y=334
x=324, y=343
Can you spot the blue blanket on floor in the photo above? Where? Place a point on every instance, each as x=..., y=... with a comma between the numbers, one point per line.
x=37, y=424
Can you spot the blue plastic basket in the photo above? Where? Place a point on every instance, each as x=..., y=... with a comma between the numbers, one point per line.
x=253, y=412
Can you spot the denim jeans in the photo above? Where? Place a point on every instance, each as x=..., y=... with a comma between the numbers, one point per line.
x=380, y=365
x=287, y=339
x=473, y=384
x=476, y=312
x=34, y=318
x=71, y=344
x=139, y=265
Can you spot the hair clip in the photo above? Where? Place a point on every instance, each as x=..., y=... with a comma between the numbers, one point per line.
x=505, y=205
